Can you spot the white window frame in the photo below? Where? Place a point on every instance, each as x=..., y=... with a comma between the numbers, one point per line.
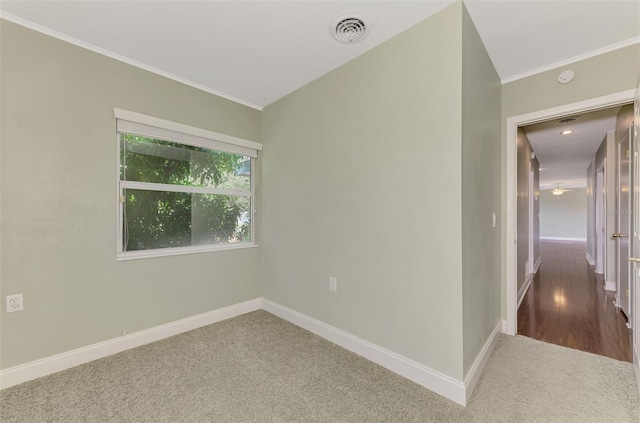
x=149, y=126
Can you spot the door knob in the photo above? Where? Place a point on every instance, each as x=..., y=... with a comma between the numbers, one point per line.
x=634, y=259
x=619, y=235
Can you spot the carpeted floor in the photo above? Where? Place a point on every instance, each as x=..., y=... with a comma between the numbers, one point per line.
x=259, y=368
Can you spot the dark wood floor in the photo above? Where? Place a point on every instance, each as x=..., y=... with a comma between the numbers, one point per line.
x=566, y=305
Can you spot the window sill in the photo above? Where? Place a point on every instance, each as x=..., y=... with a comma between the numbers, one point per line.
x=178, y=251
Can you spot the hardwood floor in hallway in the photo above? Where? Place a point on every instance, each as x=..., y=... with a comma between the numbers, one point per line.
x=567, y=305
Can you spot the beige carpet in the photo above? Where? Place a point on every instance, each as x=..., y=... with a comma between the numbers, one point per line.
x=259, y=368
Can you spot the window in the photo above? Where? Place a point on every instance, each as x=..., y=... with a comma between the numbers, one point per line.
x=181, y=189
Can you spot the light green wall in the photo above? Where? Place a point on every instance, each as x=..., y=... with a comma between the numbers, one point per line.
x=564, y=216
x=597, y=76
x=362, y=181
x=480, y=192
x=370, y=143
x=58, y=191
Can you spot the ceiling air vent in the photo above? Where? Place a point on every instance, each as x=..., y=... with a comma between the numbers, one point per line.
x=568, y=120
x=350, y=28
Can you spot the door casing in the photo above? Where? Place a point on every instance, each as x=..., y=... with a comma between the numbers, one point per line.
x=635, y=240
x=532, y=259
x=601, y=251
x=623, y=200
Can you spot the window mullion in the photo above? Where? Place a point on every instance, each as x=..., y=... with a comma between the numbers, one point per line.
x=151, y=186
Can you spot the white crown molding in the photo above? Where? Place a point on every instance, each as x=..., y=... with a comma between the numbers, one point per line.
x=437, y=382
x=66, y=38
x=53, y=364
x=572, y=60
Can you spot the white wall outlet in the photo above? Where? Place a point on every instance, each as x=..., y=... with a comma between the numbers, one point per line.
x=494, y=220
x=14, y=303
x=333, y=284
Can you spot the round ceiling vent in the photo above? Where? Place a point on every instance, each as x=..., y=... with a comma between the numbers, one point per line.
x=349, y=27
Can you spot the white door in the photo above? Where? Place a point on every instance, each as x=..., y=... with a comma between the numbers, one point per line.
x=635, y=242
x=622, y=223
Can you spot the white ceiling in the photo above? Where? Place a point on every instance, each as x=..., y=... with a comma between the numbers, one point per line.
x=564, y=158
x=525, y=37
x=256, y=52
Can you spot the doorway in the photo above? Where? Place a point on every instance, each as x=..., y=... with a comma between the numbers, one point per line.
x=510, y=237
x=565, y=303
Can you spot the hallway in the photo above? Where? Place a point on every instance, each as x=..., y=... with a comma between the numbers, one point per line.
x=566, y=305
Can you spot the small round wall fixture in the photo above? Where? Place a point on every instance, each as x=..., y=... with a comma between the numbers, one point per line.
x=566, y=76
x=350, y=27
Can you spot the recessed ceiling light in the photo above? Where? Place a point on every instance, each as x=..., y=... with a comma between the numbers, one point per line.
x=567, y=132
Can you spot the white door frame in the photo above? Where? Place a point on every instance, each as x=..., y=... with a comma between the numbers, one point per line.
x=621, y=215
x=635, y=237
x=601, y=251
x=510, y=178
x=532, y=259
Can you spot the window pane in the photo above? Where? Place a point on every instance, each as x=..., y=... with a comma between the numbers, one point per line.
x=159, y=219
x=164, y=162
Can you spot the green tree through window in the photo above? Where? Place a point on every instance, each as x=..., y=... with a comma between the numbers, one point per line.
x=177, y=195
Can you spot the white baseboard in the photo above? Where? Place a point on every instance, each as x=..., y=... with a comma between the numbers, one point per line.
x=38, y=368
x=442, y=384
x=537, y=265
x=589, y=259
x=560, y=238
x=475, y=371
x=524, y=288
x=610, y=286
x=504, y=326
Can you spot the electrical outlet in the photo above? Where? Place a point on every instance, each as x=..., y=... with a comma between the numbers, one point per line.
x=14, y=303
x=333, y=284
